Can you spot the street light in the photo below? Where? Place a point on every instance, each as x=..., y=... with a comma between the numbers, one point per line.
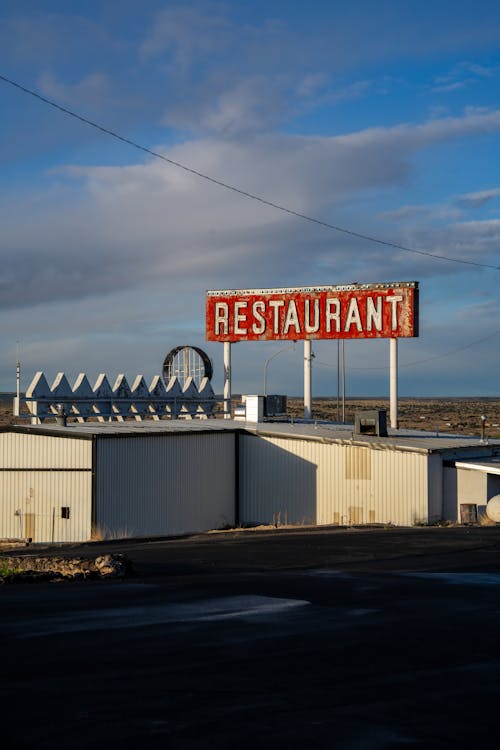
x=284, y=349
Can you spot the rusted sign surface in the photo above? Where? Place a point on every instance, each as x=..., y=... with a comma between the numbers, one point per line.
x=353, y=311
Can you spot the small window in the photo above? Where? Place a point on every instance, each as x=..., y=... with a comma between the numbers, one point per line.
x=65, y=511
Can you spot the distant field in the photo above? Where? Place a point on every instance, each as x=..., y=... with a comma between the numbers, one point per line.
x=6, y=411
x=459, y=415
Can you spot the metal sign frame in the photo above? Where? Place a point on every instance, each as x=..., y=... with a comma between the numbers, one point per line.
x=352, y=311
x=348, y=311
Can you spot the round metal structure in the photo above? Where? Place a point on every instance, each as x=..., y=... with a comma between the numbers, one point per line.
x=183, y=362
x=493, y=509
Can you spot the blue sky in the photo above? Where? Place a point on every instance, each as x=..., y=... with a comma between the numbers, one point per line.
x=383, y=118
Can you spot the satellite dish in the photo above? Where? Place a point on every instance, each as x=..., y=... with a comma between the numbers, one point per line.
x=185, y=362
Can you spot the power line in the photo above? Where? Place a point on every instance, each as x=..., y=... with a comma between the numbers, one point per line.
x=240, y=191
x=420, y=361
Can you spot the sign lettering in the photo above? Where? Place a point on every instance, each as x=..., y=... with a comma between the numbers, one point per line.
x=354, y=311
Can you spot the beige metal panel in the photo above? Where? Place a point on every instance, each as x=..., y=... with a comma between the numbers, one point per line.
x=28, y=451
x=389, y=487
x=31, y=503
x=471, y=486
x=357, y=462
x=167, y=484
x=304, y=481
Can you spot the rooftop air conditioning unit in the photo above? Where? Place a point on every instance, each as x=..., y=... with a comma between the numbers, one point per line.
x=275, y=406
x=371, y=422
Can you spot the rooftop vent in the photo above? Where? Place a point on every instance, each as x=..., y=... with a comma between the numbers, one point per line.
x=371, y=422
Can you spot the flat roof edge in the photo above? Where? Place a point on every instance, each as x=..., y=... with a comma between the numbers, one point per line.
x=74, y=434
x=36, y=430
x=376, y=445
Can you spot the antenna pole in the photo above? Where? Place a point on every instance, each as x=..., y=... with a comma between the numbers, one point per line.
x=17, y=402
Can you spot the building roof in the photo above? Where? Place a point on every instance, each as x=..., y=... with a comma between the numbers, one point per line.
x=326, y=432
x=489, y=465
x=402, y=439
x=130, y=428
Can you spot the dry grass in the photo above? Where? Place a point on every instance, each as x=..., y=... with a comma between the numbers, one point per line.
x=103, y=534
x=484, y=520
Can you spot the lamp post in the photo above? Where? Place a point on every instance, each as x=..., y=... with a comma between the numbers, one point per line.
x=268, y=360
x=483, y=427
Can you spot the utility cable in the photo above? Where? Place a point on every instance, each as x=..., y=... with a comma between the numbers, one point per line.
x=240, y=191
x=420, y=361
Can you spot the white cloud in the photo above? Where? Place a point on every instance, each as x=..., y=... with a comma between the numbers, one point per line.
x=310, y=84
x=138, y=226
x=187, y=34
x=478, y=198
x=335, y=95
x=464, y=74
x=483, y=71
x=93, y=88
x=108, y=264
x=41, y=38
x=249, y=105
x=423, y=212
x=446, y=87
x=413, y=136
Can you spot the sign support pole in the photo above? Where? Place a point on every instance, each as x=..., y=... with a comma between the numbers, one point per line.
x=394, y=383
x=338, y=380
x=227, y=380
x=307, y=380
x=343, y=380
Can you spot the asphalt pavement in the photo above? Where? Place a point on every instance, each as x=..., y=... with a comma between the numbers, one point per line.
x=324, y=638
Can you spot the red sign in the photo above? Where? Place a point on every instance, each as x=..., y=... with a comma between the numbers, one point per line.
x=352, y=311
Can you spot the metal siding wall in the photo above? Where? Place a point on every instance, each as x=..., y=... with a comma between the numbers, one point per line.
x=278, y=480
x=471, y=487
x=28, y=451
x=435, y=483
x=169, y=484
x=450, y=494
x=306, y=481
x=396, y=492
x=38, y=493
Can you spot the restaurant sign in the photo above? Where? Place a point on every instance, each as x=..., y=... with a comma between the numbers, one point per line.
x=349, y=311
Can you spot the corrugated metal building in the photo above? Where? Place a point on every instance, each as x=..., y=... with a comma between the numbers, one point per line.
x=69, y=483
x=327, y=474
x=173, y=477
